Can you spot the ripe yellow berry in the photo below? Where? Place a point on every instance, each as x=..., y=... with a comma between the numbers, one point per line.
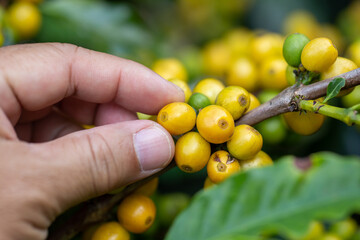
x=319, y=54
x=254, y=102
x=210, y=87
x=177, y=118
x=266, y=46
x=192, y=152
x=24, y=18
x=243, y=73
x=245, y=143
x=215, y=124
x=110, y=231
x=148, y=188
x=261, y=159
x=340, y=66
x=235, y=99
x=184, y=86
x=273, y=73
x=304, y=123
x=216, y=58
x=208, y=183
x=170, y=68
x=136, y=213
x=221, y=166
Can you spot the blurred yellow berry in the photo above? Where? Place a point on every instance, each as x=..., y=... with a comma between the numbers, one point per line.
x=242, y=72
x=210, y=87
x=184, y=86
x=254, y=102
x=24, y=18
x=302, y=22
x=266, y=46
x=170, y=68
x=216, y=58
x=273, y=74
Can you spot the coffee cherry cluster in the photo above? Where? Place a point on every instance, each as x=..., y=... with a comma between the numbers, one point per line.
x=318, y=58
x=206, y=133
x=135, y=214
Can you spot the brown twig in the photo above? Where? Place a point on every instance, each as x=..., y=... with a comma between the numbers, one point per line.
x=94, y=211
x=97, y=210
x=288, y=100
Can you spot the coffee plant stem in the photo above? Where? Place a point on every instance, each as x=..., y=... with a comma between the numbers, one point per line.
x=289, y=99
x=348, y=116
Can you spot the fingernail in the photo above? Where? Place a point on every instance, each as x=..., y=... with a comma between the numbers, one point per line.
x=153, y=148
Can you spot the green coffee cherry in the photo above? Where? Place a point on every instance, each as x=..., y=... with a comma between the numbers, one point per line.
x=293, y=47
x=198, y=101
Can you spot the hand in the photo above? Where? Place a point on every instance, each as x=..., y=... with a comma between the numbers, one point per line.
x=48, y=163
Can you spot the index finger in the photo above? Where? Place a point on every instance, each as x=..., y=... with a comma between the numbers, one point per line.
x=36, y=76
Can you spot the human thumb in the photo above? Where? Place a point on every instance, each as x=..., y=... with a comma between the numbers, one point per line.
x=92, y=162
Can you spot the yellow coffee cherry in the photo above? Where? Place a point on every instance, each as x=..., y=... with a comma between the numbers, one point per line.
x=177, y=118
x=216, y=58
x=261, y=159
x=314, y=231
x=136, y=213
x=254, y=102
x=245, y=143
x=319, y=54
x=353, y=52
x=273, y=74
x=184, y=86
x=235, y=99
x=242, y=72
x=148, y=188
x=110, y=231
x=24, y=18
x=266, y=46
x=208, y=183
x=302, y=22
x=170, y=68
x=221, y=166
x=192, y=152
x=304, y=123
x=215, y=124
x=238, y=41
x=210, y=87
x=340, y=66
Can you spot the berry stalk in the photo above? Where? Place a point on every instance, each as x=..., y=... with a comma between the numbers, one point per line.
x=346, y=115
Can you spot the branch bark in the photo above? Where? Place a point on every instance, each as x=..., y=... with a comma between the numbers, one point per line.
x=289, y=99
x=97, y=210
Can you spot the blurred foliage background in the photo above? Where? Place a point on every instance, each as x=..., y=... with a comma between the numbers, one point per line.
x=147, y=30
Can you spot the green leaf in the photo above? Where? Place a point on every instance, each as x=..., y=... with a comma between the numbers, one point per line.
x=334, y=88
x=98, y=25
x=280, y=199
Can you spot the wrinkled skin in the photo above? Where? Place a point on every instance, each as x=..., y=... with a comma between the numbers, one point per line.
x=48, y=163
